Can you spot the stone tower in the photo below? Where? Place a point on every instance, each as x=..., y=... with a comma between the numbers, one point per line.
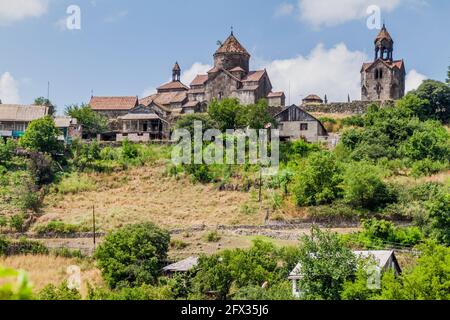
x=384, y=78
x=231, y=55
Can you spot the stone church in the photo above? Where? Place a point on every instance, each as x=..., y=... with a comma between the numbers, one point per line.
x=384, y=78
x=231, y=77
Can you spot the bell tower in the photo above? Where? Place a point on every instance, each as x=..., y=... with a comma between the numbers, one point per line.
x=176, y=72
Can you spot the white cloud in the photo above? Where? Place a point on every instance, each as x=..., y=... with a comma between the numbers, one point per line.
x=334, y=72
x=197, y=68
x=9, y=89
x=414, y=79
x=284, y=9
x=331, y=12
x=16, y=10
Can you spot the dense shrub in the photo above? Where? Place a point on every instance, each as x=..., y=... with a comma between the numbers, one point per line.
x=60, y=293
x=379, y=234
x=364, y=187
x=133, y=255
x=42, y=135
x=318, y=181
x=59, y=227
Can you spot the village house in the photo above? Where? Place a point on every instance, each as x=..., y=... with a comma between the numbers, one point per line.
x=295, y=124
x=14, y=118
x=384, y=261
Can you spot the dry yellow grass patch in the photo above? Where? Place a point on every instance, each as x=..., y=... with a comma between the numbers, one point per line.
x=44, y=270
x=146, y=194
x=443, y=177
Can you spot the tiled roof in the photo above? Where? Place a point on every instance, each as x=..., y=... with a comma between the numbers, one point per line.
x=113, y=103
x=254, y=76
x=275, y=94
x=25, y=113
x=384, y=34
x=397, y=63
x=199, y=80
x=312, y=97
x=173, y=85
x=194, y=91
x=191, y=104
x=237, y=69
x=165, y=98
x=232, y=45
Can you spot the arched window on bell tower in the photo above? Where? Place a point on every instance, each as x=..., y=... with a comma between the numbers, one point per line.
x=384, y=45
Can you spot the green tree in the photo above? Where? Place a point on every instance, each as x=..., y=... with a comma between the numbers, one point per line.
x=257, y=116
x=60, y=293
x=364, y=188
x=318, y=181
x=227, y=113
x=325, y=265
x=42, y=136
x=187, y=122
x=428, y=280
x=448, y=75
x=41, y=101
x=438, y=96
x=134, y=255
x=430, y=140
x=92, y=122
x=439, y=215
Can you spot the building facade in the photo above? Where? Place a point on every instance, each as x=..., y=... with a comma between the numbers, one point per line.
x=295, y=124
x=14, y=119
x=384, y=78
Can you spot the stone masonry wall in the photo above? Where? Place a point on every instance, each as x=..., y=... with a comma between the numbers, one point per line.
x=355, y=107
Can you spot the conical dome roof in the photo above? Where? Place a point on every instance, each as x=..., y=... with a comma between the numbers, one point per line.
x=232, y=45
x=383, y=35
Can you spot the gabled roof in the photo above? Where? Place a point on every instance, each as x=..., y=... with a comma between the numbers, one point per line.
x=275, y=94
x=399, y=64
x=235, y=69
x=199, y=80
x=232, y=45
x=25, y=113
x=173, y=85
x=254, y=76
x=165, y=98
x=113, y=103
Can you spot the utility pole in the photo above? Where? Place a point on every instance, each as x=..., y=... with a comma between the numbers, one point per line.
x=93, y=224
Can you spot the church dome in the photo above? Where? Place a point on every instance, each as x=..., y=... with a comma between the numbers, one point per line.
x=383, y=36
x=231, y=54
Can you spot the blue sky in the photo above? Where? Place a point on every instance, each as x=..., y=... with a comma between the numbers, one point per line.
x=129, y=47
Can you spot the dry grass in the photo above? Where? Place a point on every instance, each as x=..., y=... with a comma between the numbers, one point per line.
x=442, y=177
x=146, y=194
x=44, y=270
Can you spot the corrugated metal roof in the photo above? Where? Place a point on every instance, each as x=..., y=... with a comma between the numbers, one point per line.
x=182, y=266
x=65, y=122
x=25, y=113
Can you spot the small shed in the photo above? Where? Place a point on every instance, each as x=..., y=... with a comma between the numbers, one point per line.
x=183, y=266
